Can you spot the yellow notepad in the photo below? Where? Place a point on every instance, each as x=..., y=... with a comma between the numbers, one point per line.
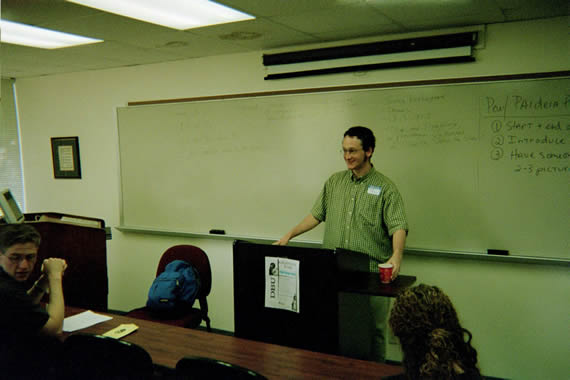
x=121, y=331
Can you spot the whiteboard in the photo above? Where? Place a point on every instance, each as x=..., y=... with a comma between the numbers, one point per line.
x=479, y=165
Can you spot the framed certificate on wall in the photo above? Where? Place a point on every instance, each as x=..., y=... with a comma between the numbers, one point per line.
x=65, y=154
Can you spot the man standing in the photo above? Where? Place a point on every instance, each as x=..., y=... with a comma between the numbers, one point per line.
x=364, y=212
x=23, y=321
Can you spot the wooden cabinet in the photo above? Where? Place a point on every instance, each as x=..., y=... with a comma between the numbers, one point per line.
x=85, y=282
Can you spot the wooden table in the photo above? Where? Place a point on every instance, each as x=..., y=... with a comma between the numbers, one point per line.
x=167, y=344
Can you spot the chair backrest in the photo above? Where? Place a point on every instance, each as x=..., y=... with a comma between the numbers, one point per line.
x=89, y=356
x=194, y=256
x=199, y=368
x=29, y=356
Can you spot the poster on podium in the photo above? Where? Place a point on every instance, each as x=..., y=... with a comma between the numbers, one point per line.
x=282, y=283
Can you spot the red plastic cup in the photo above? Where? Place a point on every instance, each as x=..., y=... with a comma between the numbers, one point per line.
x=385, y=273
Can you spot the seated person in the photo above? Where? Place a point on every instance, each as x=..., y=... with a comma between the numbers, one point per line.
x=25, y=326
x=432, y=339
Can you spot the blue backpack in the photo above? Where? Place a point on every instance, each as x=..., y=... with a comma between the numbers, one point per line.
x=176, y=287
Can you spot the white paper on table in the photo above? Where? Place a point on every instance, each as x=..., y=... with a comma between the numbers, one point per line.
x=83, y=320
x=282, y=283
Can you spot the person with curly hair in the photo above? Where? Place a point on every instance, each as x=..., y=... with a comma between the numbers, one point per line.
x=433, y=341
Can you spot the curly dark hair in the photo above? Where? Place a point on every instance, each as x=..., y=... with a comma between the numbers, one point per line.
x=432, y=339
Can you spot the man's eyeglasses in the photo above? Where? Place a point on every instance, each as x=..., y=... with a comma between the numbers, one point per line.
x=17, y=259
x=350, y=152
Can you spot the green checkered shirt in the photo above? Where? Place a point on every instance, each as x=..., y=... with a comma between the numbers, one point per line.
x=361, y=214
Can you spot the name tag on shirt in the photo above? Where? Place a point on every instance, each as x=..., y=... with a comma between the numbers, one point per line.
x=374, y=190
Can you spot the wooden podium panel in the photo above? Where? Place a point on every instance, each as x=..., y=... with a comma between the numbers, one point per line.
x=354, y=276
x=85, y=281
x=328, y=279
x=315, y=327
x=369, y=283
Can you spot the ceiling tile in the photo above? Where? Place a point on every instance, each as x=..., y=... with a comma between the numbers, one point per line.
x=334, y=19
x=110, y=27
x=437, y=11
x=260, y=33
x=531, y=9
x=41, y=12
x=269, y=8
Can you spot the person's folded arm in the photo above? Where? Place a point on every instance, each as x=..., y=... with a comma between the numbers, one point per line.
x=53, y=269
x=39, y=288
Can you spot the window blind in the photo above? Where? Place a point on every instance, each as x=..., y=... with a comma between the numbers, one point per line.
x=10, y=163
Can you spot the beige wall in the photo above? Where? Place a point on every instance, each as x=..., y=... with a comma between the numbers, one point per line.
x=518, y=313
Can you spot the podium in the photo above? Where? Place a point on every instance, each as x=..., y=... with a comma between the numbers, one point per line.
x=315, y=327
x=325, y=277
x=81, y=241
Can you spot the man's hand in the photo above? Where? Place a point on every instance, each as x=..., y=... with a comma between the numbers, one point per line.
x=283, y=241
x=54, y=267
x=396, y=261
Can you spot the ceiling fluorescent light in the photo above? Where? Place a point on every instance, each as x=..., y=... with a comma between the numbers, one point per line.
x=176, y=14
x=33, y=36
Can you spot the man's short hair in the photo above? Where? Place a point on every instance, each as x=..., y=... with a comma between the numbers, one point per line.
x=19, y=233
x=365, y=136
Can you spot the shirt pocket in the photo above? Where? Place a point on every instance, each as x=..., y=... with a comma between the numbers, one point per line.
x=370, y=211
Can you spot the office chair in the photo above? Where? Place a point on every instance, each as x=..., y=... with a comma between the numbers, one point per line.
x=189, y=317
x=87, y=356
x=199, y=368
x=17, y=351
